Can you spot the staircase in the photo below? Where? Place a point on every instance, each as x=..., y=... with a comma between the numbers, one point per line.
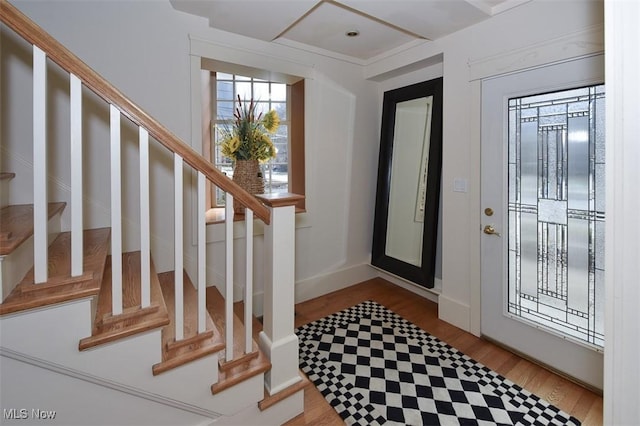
x=90, y=332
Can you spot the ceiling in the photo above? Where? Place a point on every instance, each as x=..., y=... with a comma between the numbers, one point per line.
x=383, y=26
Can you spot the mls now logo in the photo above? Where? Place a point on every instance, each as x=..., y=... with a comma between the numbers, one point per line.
x=15, y=413
x=23, y=413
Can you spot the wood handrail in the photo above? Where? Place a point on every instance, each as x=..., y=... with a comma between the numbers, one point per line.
x=31, y=32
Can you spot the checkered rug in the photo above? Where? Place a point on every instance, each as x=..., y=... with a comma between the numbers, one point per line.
x=374, y=367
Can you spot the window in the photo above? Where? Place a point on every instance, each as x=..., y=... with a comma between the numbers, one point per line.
x=268, y=95
x=557, y=211
x=221, y=83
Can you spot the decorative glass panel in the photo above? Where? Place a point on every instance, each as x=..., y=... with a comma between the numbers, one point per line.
x=556, y=211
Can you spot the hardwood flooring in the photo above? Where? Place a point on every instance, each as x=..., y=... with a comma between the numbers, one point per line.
x=566, y=395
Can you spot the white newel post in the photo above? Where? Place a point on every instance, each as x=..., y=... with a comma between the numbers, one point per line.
x=278, y=339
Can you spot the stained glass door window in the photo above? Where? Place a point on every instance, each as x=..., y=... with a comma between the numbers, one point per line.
x=557, y=212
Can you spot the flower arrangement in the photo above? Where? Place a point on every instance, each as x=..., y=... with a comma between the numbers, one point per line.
x=249, y=136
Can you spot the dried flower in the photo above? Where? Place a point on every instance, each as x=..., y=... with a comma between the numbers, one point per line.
x=248, y=138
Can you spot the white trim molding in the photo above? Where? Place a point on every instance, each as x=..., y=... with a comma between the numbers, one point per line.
x=622, y=246
x=454, y=312
x=574, y=45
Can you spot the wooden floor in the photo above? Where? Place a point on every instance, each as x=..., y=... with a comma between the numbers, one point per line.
x=566, y=395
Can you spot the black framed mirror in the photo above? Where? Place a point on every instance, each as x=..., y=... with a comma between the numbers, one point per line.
x=408, y=195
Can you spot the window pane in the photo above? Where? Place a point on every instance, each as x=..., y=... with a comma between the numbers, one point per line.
x=278, y=92
x=224, y=90
x=281, y=109
x=224, y=111
x=223, y=76
x=244, y=91
x=281, y=135
x=261, y=91
x=262, y=107
x=282, y=155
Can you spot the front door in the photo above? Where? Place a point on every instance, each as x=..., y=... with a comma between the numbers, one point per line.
x=543, y=215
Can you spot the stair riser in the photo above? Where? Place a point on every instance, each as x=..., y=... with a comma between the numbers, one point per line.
x=15, y=265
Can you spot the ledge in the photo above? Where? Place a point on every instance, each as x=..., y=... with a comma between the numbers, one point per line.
x=280, y=199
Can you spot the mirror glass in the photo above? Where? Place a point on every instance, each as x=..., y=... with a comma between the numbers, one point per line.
x=408, y=195
x=409, y=180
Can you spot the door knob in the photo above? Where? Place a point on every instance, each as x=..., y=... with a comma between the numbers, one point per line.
x=490, y=230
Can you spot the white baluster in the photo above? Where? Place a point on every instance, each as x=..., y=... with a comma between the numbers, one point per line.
x=116, y=214
x=202, y=254
x=248, y=289
x=228, y=226
x=77, y=248
x=178, y=263
x=145, y=232
x=40, y=201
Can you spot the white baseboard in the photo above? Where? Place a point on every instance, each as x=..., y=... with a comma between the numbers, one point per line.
x=454, y=312
x=428, y=293
x=305, y=289
x=322, y=284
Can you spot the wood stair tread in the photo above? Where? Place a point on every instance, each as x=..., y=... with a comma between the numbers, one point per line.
x=61, y=287
x=134, y=319
x=194, y=345
x=253, y=365
x=16, y=224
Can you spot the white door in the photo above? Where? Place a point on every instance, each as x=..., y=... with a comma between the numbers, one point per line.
x=543, y=215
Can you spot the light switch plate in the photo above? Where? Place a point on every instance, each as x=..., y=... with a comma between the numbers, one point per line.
x=459, y=185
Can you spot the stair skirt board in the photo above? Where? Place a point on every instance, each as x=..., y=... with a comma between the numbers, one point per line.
x=127, y=405
x=100, y=405
x=127, y=362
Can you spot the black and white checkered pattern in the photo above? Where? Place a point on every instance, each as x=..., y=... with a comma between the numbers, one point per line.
x=375, y=367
